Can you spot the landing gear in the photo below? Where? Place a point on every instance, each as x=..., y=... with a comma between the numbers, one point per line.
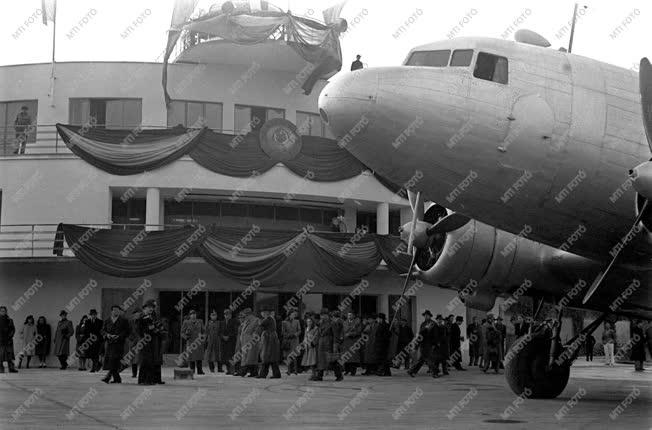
x=538, y=365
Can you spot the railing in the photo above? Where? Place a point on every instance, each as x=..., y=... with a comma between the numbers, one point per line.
x=43, y=139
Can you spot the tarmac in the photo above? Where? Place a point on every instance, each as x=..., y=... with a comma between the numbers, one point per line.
x=597, y=397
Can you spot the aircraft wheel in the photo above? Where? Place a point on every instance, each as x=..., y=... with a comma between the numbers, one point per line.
x=526, y=369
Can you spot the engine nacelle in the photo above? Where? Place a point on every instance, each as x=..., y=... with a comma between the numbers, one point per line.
x=484, y=262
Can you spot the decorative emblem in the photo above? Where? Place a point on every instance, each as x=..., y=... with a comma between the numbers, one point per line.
x=279, y=139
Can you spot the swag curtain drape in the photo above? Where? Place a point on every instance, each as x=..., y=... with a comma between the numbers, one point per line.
x=271, y=257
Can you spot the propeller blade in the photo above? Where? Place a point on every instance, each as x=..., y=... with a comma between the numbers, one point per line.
x=415, y=217
x=598, y=280
x=448, y=223
x=645, y=83
x=405, y=284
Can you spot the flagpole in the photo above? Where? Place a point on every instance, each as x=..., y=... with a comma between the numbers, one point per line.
x=54, y=46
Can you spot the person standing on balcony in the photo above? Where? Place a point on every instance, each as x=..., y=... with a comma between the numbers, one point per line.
x=62, y=339
x=22, y=125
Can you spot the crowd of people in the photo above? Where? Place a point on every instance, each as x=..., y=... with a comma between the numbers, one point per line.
x=249, y=345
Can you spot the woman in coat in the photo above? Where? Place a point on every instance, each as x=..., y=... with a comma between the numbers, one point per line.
x=80, y=337
x=192, y=331
x=352, y=333
x=27, y=335
x=62, y=337
x=270, y=347
x=214, y=330
x=43, y=340
x=309, y=345
x=249, y=344
x=291, y=332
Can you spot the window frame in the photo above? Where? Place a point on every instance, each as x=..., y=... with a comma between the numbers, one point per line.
x=475, y=65
x=450, y=52
x=105, y=99
x=321, y=121
x=471, y=61
x=185, y=112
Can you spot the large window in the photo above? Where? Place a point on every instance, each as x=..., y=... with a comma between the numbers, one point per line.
x=252, y=118
x=12, y=118
x=310, y=124
x=107, y=112
x=430, y=58
x=491, y=68
x=190, y=113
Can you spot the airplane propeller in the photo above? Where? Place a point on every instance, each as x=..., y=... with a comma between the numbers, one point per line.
x=641, y=175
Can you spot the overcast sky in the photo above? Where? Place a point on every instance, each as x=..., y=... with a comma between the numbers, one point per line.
x=374, y=27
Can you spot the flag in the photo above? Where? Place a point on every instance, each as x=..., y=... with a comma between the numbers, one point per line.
x=48, y=10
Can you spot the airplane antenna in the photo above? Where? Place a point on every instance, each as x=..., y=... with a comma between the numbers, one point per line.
x=572, y=35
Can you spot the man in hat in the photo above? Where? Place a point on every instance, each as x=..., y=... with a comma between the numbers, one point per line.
x=115, y=330
x=357, y=64
x=270, y=347
x=249, y=344
x=328, y=346
x=456, y=343
x=151, y=333
x=7, y=331
x=93, y=332
x=472, y=333
x=425, y=344
x=371, y=358
x=192, y=331
x=383, y=337
x=441, y=345
x=62, y=339
x=229, y=338
x=21, y=126
x=502, y=330
x=492, y=342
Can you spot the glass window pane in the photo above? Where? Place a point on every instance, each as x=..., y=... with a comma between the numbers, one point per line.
x=275, y=113
x=261, y=211
x=132, y=113
x=310, y=216
x=79, y=110
x=6, y=129
x=114, y=113
x=429, y=58
x=195, y=114
x=491, y=68
x=462, y=58
x=177, y=114
x=303, y=123
x=287, y=213
x=242, y=119
x=214, y=116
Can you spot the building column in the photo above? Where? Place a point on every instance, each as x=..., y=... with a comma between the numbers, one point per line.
x=350, y=217
x=406, y=215
x=383, y=306
x=382, y=218
x=153, y=209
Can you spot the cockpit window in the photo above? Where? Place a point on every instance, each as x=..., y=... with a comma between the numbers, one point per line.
x=462, y=58
x=491, y=68
x=429, y=58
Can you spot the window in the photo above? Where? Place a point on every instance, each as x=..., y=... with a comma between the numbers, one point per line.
x=491, y=68
x=108, y=113
x=189, y=113
x=252, y=118
x=310, y=124
x=9, y=134
x=131, y=211
x=429, y=58
x=462, y=58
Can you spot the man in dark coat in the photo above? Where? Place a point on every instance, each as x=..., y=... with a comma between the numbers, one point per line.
x=151, y=333
x=229, y=337
x=520, y=327
x=441, y=345
x=502, y=330
x=270, y=347
x=115, y=330
x=7, y=331
x=352, y=328
x=383, y=336
x=357, y=64
x=93, y=332
x=425, y=344
x=327, y=349
x=371, y=358
x=472, y=333
x=456, y=343
x=62, y=336
x=405, y=336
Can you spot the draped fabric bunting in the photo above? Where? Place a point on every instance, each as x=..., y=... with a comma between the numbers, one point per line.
x=272, y=257
x=316, y=43
x=129, y=152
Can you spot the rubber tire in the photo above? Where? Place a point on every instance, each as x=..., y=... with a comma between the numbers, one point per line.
x=527, y=370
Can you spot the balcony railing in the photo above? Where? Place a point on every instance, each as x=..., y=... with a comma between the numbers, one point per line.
x=43, y=139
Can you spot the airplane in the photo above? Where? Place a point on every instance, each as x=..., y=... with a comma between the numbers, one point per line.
x=535, y=164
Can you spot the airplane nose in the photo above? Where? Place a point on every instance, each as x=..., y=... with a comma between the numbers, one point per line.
x=346, y=103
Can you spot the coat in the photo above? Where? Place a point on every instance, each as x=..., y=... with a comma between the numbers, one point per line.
x=309, y=346
x=229, y=339
x=114, y=346
x=455, y=338
x=249, y=341
x=370, y=356
x=638, y=344
x=28, y=337
x=327, y=344
x=7, y=331
x=62, y=337
x=352, y=331
x=214, y=330
x=132, y=353
x=93, y=330
x=193, y=333
x=492, y=343
x=383, y=340
x=270, y=347
x=291, y=336
x=151, y=352
x=426, y=344
x=44, y=331
x=80, y=338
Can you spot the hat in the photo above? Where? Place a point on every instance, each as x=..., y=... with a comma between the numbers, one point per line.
x=246, y=311
x=450, y=316
x=426, y=312
x=63, y=313
x=382, y=316
x=149, y=304
x=93, y=312
x=336, y=313
x=439, y=317
x=459, y=318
